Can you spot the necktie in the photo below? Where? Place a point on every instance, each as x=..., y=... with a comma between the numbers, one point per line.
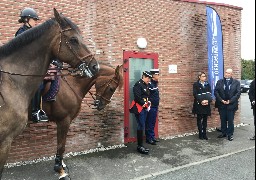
x=228, y=82
x=227, y=90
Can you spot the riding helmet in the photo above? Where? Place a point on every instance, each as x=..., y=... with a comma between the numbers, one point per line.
x=30, y=13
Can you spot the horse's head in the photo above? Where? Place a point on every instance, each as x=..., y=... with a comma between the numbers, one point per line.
x=71, y=49
x=106, y=87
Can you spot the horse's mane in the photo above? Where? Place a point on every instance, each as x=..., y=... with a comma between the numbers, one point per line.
x=29, y=36
x=25, y=38
x=121, y=80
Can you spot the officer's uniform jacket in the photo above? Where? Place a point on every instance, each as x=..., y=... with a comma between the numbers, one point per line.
x=141, y=92
x=154, y=93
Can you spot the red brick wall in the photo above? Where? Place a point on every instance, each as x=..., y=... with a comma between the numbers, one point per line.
x=176, y=30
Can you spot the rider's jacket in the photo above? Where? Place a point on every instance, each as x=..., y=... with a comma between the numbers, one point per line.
x=21, y=30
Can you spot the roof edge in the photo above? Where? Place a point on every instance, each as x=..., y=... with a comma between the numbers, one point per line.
x=211, y=3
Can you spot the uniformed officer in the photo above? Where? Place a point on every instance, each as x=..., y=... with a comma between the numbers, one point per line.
x=202, y=103
x=29, y=18
x=140, y=107
x=152, y=114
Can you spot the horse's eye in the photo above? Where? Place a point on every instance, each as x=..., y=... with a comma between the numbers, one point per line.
x=112, y=89
x=73, y=40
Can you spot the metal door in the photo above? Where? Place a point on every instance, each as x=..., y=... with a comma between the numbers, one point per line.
x=134, y=64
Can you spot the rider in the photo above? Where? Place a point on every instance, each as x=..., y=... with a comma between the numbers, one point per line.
x=29, y=18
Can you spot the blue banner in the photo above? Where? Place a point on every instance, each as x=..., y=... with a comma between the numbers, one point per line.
x=215, y=48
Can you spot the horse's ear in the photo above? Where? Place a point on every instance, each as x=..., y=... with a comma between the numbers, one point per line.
x=117, y=71
x=58, y=17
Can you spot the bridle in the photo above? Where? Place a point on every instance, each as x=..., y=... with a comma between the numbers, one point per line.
x=101, y=93
x=83, y=68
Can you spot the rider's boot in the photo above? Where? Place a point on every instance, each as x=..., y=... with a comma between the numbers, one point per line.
x=38, y=115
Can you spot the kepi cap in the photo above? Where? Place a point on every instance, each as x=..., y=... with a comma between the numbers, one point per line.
x=154, y=71
x=147, y=74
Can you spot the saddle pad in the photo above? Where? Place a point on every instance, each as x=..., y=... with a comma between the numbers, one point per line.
x=51, y=94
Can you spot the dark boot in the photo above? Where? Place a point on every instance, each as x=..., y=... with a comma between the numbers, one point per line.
x=253, y=137
x=200, y=132
x=140, y=148
x=204, y=125
x=204, y=134
x=200, y=135
x=205, y=137
x=38, y=115
x=199, y=126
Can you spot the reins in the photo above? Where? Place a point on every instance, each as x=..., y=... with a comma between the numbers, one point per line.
x=77, y=94
x=71, y=73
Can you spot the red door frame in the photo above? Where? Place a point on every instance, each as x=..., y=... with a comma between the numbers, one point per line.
x=126, y=56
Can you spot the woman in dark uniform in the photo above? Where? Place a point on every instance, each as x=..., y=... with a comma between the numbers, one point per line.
x=202, y=99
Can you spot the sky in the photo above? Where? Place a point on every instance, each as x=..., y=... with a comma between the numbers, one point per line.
x=248, y=25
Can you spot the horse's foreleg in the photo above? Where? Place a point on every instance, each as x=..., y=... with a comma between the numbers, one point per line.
x=4, y=150
x=62, y=131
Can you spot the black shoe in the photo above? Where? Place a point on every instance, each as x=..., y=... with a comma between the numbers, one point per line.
x=218, y=129
x=252, y=138
x=146, y=149
x=142, y=150
x=230, y=138
x=156, y=140
x=201, y=137
x=205, y=137
x=222, y=136
x=151, y=142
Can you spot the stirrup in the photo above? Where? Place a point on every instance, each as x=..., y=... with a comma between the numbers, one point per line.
x=35, y=116
x=39, y=116
x=42, y=115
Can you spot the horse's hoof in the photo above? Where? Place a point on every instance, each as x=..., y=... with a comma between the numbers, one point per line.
x=66, y=177
x=57, y=167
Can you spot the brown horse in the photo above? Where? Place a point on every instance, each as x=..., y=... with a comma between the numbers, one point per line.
x=68, y=103
x=23, y=63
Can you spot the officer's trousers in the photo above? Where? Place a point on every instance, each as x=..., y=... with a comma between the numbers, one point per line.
x=150, y=123
x=141, y=119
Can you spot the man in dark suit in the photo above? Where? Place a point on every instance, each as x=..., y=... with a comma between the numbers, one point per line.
x=227, y=93
x=252, y=99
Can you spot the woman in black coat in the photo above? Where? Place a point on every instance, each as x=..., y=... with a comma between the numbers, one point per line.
x=201, y=107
